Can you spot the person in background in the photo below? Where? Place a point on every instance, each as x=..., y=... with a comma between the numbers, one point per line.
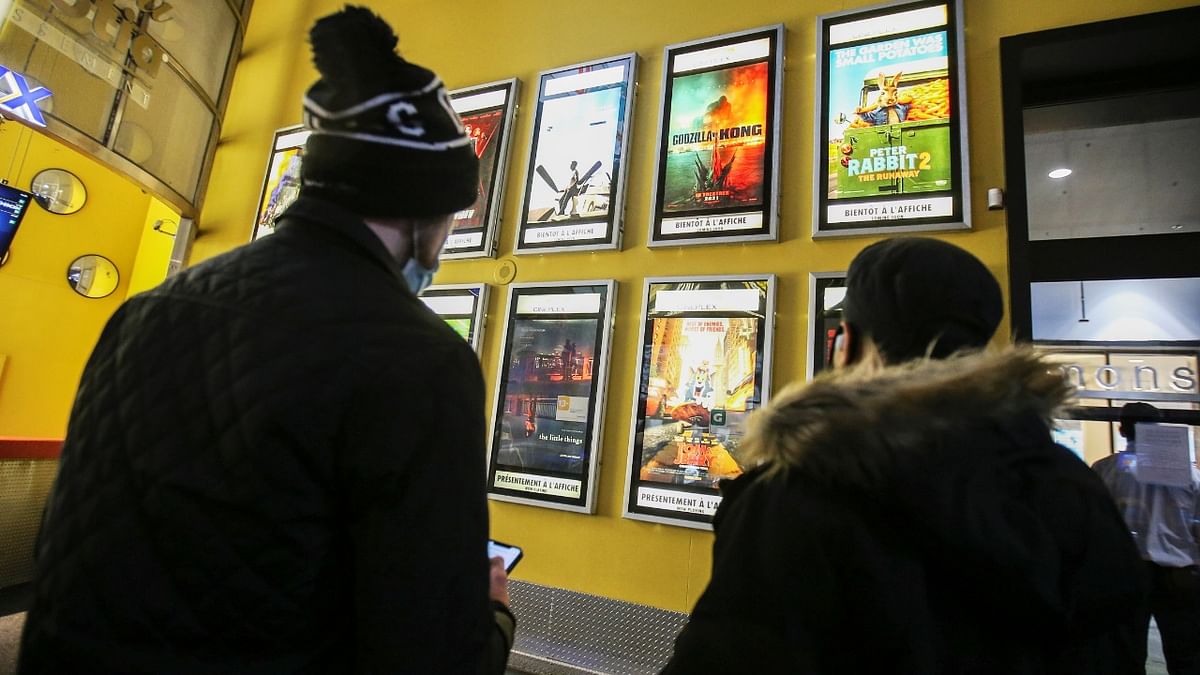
x=1165, y=522
x=275, y=462
x=908, y=511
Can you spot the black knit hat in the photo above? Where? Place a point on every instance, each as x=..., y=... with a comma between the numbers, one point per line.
x=385, y=141
x=911, y=293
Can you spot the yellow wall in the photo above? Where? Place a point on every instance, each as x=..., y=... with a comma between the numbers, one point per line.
x=154, y=248
x=475, y=41
x=46, y=329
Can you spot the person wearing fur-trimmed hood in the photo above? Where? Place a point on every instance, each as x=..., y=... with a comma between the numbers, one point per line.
x=909, y=512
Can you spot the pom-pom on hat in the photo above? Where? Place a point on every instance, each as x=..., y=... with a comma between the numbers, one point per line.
x=915, y=295
x=385, y=141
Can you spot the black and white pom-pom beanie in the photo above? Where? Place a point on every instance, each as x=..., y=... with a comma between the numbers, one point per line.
x=385, y=142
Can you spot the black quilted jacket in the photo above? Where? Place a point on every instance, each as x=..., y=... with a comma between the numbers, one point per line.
x=275, y=464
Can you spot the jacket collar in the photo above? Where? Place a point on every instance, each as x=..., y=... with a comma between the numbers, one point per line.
x=344, y=224
x=856, y=427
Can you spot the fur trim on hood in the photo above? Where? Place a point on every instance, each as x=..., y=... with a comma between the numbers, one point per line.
x=850, y=426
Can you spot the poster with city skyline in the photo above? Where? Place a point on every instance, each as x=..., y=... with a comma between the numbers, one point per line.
x=705, y=367
x=545, y=432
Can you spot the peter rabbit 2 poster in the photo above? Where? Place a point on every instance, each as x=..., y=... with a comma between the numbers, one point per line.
x=891, y=133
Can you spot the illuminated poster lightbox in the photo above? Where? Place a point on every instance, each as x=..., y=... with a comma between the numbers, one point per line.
x=462, y=307
x=487, y=113
x=546, y=430
x=719, y=138
x=14, y=204
x=281, y=185
x=705, y=366
x=826, y=302
x=575, y=185
x=891, y=133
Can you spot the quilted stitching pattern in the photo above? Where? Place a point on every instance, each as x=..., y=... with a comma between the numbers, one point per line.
x=197, y=516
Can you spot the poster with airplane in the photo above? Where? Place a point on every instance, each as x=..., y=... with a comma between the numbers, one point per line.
x=575, y=185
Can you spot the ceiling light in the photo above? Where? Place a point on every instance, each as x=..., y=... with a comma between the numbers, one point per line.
x=1059, y=173
x=1177, y=227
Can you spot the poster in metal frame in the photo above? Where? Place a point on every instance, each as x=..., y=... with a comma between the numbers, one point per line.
x=281, y=183
x=462, y=306
x=891, y=127
x=719, y=138
x=488, y=112
x=546, y=438
x=574, y=190
x=723, y=367
x=826, y=296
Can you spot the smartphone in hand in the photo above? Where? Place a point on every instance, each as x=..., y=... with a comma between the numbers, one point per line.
x=511, y=554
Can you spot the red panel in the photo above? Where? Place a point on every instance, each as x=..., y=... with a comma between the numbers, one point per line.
x=30, y=448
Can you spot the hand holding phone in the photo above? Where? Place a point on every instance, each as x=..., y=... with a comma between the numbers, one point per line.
x=511, y=554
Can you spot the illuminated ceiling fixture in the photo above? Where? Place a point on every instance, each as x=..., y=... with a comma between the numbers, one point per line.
x=1059, y=173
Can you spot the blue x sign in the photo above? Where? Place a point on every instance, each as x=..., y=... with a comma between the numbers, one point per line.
x=20, y=100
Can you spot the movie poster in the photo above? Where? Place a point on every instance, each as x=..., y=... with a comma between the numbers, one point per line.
x=704, y=369
x=718, y=153
x=461, y=307
x=460, y=325
x=721, y=164
x=282, y=183
x=575, y=186
x=827, y=299
x=549, y=403
x=892, y=154
x=487, y=114
x=14, y=204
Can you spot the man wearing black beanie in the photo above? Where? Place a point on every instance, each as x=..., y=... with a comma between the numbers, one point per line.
x=909, y=512
x=914, y=296
x=275, y=462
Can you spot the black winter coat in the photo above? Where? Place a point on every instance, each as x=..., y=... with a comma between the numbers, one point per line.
x=917, y=522
x=275, y=464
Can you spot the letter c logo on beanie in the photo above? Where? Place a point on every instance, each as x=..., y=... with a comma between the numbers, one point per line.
x=386, y=141
x=403, y=115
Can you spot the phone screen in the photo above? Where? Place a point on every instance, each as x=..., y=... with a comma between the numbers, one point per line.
x=510, y=553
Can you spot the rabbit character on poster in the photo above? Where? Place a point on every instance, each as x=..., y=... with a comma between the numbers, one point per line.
x=890, y=107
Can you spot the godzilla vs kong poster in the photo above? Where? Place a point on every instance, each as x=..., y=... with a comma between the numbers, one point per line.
x=719, y=146
x=717, y=137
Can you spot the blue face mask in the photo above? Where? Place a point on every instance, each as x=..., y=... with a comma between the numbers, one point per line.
x=417, y=276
